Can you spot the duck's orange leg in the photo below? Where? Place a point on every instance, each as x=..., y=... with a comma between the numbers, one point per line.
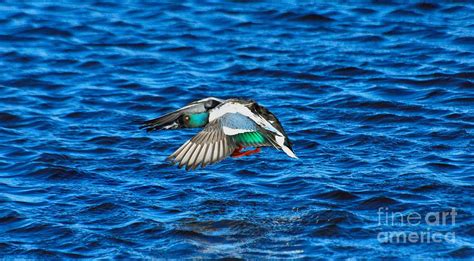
x=237, y=153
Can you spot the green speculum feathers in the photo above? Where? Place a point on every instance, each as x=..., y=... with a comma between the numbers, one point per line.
x=198, y=120
x=249, y=138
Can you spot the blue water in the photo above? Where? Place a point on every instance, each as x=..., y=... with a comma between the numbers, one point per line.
x=378, y=100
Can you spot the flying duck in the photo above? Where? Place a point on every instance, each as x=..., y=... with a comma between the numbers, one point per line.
x=229, y=126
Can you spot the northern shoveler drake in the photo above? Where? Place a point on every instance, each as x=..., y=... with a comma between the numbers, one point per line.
x=228, y=127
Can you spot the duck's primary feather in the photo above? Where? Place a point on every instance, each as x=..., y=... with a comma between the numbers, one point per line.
x=209, y=146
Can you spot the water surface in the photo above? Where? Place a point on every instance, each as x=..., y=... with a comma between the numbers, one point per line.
x=378, y=100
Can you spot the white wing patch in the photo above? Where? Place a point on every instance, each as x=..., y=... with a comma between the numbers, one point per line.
x=238, y=108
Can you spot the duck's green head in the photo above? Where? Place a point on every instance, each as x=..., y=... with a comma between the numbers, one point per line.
x=195, y=120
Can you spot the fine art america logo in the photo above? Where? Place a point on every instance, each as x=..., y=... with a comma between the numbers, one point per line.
x=414, y=227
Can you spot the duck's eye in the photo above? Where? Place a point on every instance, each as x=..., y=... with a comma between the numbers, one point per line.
x=186, y=118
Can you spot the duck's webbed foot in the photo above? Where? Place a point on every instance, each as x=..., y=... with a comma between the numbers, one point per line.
x=237, y=152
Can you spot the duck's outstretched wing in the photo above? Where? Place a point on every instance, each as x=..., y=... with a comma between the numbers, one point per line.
x=277, y=136
x=209, y=146
x=262, y=120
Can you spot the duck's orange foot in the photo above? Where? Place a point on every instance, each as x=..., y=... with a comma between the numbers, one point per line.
x=237, y=152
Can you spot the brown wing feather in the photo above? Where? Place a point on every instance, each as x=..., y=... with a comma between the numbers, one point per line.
x=209, y=146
